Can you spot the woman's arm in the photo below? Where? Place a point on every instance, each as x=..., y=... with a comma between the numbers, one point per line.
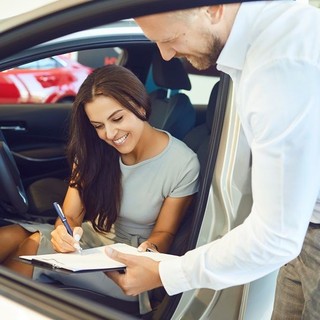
x=73, y=210
x=171, y=214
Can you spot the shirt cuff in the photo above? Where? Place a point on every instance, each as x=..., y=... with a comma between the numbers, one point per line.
x=173, y=277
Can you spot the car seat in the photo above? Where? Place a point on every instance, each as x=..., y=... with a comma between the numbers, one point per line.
x=41, y=195
x=198, y=140
x=171, y=110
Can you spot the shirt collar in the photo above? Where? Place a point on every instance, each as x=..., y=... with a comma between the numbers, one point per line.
x=235, y=50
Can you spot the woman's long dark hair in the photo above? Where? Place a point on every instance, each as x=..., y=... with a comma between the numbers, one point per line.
x=96, y=170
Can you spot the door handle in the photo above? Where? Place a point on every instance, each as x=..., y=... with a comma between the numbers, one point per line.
x=13, y=128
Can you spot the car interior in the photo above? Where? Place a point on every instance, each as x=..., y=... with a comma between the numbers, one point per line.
x=32, y=148
x=172, y=110
x=38, y=147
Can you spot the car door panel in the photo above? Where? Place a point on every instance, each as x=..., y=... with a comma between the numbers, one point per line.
x=37, y=136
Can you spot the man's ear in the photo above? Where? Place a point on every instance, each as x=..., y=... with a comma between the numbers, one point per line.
x=215, y=12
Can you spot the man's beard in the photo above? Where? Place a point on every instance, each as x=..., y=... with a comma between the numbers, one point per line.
x=207, y=59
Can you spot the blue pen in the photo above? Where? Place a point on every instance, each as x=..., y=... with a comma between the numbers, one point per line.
x=62, y=217
x=65, y=222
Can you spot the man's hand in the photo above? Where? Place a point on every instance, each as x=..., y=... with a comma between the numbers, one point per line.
x=141, y=274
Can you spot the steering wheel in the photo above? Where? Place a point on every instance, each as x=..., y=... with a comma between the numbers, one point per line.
x=12, y=194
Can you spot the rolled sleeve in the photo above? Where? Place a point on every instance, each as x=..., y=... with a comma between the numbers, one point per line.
x=173, y=277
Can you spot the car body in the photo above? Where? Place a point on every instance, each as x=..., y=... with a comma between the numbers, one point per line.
x=37, y=135
x=48, y=80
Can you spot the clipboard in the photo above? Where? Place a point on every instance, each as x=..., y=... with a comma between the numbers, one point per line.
x=90, y=260
x=57, y=268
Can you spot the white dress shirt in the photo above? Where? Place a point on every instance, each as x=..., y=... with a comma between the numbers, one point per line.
x=273, y=58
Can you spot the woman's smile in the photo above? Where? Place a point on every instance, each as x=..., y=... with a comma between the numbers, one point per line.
x=121, y=140
x=115, y=124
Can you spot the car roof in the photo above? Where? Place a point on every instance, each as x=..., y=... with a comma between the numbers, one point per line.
x=16, y=12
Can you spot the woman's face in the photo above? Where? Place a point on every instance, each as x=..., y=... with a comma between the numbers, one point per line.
x=115, y=124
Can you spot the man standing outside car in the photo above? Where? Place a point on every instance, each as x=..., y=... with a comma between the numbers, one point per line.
x=271, y=50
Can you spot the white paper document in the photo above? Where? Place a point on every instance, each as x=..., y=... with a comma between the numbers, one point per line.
x=89, y=260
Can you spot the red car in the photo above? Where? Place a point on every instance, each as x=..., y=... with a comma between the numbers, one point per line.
x=50, y=80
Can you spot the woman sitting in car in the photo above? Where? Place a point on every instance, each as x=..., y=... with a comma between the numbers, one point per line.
x=130, y=183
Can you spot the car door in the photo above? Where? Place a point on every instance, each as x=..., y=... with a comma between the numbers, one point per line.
x=37, y=146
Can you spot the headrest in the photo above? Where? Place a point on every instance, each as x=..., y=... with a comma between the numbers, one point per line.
x=170, y=74
x=212, y=105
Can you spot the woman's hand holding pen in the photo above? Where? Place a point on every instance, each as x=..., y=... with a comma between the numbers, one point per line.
x=63, y=242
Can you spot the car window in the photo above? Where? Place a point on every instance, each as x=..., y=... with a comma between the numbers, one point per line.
x=202, y=83
x=54, y=79
x=95, y=58
x=47, y=63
